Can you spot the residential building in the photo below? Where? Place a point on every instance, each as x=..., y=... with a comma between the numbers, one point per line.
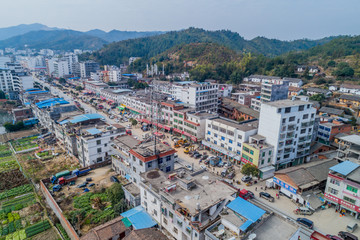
x=256, y=104
x=349, y=148
x=88, y=67
x=311, y=69
x=225, y=137
x=262, y=78
x=200, y=96
x=257, y=152
x=146, y=234
x=240, y=216
x=133, y=59
x=244, y=98
x=95, y=86
x=343, y=187
x=20, y=114
x=305, y=183
x=9, y=83
x=132, y=157
x=294, y=82
x=225, y=90
x=15, y=68
x=132, y=194
x=288, y=126
x=294, y=91
x=314, y=91
x=184, y=203
x=61, y=69
x=114, y=76
x=233, y=110
x=247, y=87
x=328, y=130
x=331, y=112
x=114, y=95
x=274, y=91
x=350, y=88
x=350, y=100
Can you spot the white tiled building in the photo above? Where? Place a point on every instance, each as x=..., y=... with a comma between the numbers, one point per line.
x=288, y=126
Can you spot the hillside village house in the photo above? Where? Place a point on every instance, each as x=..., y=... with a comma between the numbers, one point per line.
x=350, y=88
x=350, y=100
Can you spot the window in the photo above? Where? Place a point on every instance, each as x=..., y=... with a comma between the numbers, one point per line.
x=134, y=169
x=291, y=119
x=301, y=108
x=306, y=116
x=105, y=144
x=155, y=212
x=239, y=136
x=160, y=160
x=149, y=164
x=263, y=154
x=230, y=148
x=287, y=110
x=238, y=152
x=230, y=141
x=168, y=158
x=269, y=159
x=171, y=214
x=222, y=145
x=269, y=152
x=351, y=189
x=230, y=133
x=215, y=135
x=99, y=150
x=98, y=142
x=239, y=144
x=334, y=181
x=350, y=200
x=165, y=221
x=175, y=230
x=215, y=142
x=333, y=191
x=222, y=138
x=284, y=120
x=99, y=159
x=303, y=131
x=279, y=110
x=208, y=139
x=209, y=133
x=141, y=162
x=262, y=162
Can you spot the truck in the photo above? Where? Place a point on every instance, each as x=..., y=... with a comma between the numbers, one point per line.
x=56, y=188
x=245, y=194
x=67, y=179
x=81, y=172
x=214, y=161
x=128, y=132
x=100, y=106
x=58, y=175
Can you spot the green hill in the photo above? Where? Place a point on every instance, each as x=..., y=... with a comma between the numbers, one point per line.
x=147, y=47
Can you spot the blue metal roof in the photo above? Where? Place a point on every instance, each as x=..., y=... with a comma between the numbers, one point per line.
x=128, y=74
x=93, y=131
x=139, y=218
x=345, y=168
x=32, y=89
x=82, y=118
x=35, y=92
x=51, y=102
x=246, y=209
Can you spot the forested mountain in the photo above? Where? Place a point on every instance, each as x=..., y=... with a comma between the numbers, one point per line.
x=56, y=39
x=119, y=52
x=116, y=35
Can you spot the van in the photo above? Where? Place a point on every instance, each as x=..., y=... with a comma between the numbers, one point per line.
x=224, y=172
x=351, y=227
x=347, y=236
x=303, y=211
x=305, y=222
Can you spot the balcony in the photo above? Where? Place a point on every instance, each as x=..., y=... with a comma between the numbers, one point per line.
x=288, y=150
x=289, y=135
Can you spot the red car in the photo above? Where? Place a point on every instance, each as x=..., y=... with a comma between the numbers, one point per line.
x=333, y=237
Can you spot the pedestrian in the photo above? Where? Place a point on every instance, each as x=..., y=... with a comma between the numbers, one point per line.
x=265, y=188
x=255, y=189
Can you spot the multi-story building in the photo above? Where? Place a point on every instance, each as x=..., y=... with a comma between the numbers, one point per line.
x=256, y=103
x=88, y=67
x=233, y=110
x=328, y=130
x=349, y=148
x=95, y=86
x=132, y=157
x=257, y=152
x=61, y=69
x=200, y=96
x=182, y=202
x=343, y=187
x=244, y=98
x=114, y=76
x=114, y=95
x=274, y=91
x=288, y=126
x=225, y=137
x=8, y=82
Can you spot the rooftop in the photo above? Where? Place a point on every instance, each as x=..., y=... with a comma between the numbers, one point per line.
x=228, y=103
x=317, y=90
x=132, y=189
x=107, y=230
x=350, y=97
x=82, y=118
x=345, y=168
x=51, y=102
x=146, y=234
x=201, y=115
x=353, y=86
x=138, y=218
x=247, y=126
x=126, y=141
x=354, y=139
x=330, y=110
x=145, y=150
x=287, y=103
x=188, y=189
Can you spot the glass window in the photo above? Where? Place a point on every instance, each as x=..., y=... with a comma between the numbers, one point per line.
x=209, y=133
x=149, y=164
x=230, y=141
x=222, y=138
x=351, y=189
x=239, y=144
x=350, y=200
x=98, y=142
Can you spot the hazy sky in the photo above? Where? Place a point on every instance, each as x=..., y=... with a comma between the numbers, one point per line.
x=282, y=19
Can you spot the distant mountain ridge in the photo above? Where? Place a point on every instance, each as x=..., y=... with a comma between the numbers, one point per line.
x=13, y=31
x=116, y=35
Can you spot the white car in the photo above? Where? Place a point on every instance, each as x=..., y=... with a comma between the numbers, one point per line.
x=189, y=167
x=203, y=167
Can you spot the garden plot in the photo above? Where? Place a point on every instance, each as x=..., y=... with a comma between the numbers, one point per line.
x=7, y=161
x=21, y=216
x=24, y=144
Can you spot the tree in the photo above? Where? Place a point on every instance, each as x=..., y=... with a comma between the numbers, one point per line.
x=331, y=63
x=115, y=193
x=353, y=121
x=236, y=77
x=14, y=127
x=78, y=88
x=250, y=169
x=343, y=69
x=2, y=95
x=133, y=121
x=317, y=97
x=120, y=207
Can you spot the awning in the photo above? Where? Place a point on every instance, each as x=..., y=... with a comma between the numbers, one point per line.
x=127, y=176
x=121, y=108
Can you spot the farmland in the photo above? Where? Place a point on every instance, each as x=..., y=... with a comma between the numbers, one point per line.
x=7, y=161
x=24, y=143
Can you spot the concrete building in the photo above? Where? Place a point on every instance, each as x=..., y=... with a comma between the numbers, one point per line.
x=328, y=130
x=8, y=82
x=343, y=187
x=256, y=104
x=95, y=86
x=349, y=88
x=184, y=203
x=132, y=157
x=349, y=148
x=274, y=91
x=244, y=98
x=235, y=111
x=225, y=137
x=200, y=96
x=88, y=67
x=115, y=95
x=257, y=152
x=114, y=76
x=288, y=126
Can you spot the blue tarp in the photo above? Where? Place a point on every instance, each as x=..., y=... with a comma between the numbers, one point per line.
x=139, y=218
x=345, y=168
x=35, y=92
x=32, y=89
x=93, y=131
x=246, y=209
x=82, y=118
x=51, y=102
x=127, y=176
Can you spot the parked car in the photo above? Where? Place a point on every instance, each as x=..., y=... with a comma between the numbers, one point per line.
x=347, y=236
x=333, y=237
x=114, y=179
x=266, y=196
x=246, y=178
x=91, y=184
x=82, y=185
x=197, y=156
x=305, y=222
x=204, y=157
x=203, y=167
x=189, y=167
x=206, y=162
x=231, y=175
x=220, y=164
